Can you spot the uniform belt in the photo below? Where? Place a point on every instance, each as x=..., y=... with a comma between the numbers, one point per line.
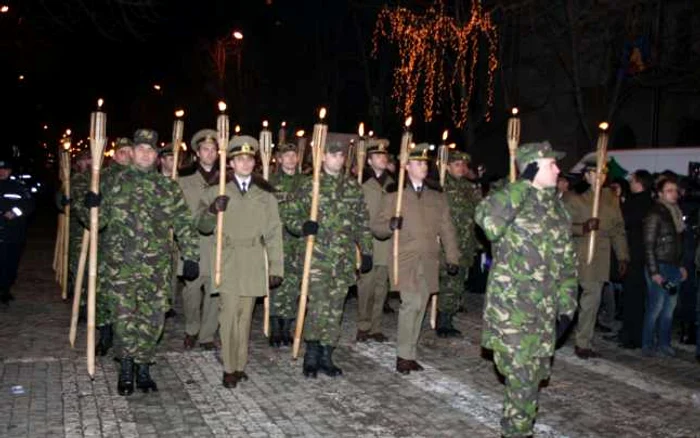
x=246, y=243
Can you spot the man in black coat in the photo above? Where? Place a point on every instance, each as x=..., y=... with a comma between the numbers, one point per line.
x=634, y=209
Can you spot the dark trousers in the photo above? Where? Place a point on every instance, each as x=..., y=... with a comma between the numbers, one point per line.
x=9, y=262
x=633, y=304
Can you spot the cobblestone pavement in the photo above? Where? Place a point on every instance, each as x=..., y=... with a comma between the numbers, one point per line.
x=458, y=395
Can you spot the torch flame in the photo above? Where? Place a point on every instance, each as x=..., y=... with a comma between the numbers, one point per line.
x=179, y=113
x=444, y=135
x=68, y=132
x=361, y=130
x=100, y=102
x=265, y=124
x=300, y=133
x=604, y=126
x=322, y=114
x=408, y=122
x=66, y=145
x=284, y=124
x=237, y=129
x=222, y=106
x=452, y=145
x=371, y=133
x=514, y=111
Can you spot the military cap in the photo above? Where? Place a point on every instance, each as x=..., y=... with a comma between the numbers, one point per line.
x=166, y=150
x=287, y=147
x=455, y=155
x=123, y=142
x=336, y=146
x=203, y=135
x=529, y=152
x=420, y=152
x=379, y=146
x=146, y=136
x=242, y=145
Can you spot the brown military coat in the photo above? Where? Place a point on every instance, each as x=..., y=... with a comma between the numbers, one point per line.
x=426, y=224
x=375, y=192
x=193, y=186
x=610, y=235
x=251, y=225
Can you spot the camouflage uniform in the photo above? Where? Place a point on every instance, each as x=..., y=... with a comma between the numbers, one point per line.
x=139, y=213
x=531, y=284
x=462, y=197
x=343, y=224
x=283, y=300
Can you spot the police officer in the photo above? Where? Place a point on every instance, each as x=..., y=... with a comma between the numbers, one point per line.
x=16, y=204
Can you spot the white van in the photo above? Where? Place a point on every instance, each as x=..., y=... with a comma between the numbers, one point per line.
x=654, y=160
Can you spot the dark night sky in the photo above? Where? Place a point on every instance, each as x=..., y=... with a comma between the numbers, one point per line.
x=295, y=56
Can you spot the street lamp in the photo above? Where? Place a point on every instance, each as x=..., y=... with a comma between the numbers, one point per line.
x=237, y=35
x=4, y=9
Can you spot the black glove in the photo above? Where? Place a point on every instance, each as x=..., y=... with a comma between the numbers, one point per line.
x=395, y=223
x=219, y=204
x=366, y=264
x=592, y=224
x=452, y=270
x=190, y=270
x=530, y=171
x=563, y=323
x=310, y=228
x=274, y=281
x=65, y=200
x=92, y=200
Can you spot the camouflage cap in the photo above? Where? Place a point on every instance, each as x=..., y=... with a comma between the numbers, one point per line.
x=529, y=152
x=455, y=155
x=123, y=142
x=146, y=136
x=420, y=152
x=336, y=146
x=286, y=147
x=204, y=135
x=242, y=145
x=378, y=146
x=166, y=150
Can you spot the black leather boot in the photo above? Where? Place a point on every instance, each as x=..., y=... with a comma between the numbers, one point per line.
x=143, y=378
x=287, y=336
x=444, y=328
x=311, y=358
x=125, y=386
x=106, y=340
x=275, y=338
x=326, y=364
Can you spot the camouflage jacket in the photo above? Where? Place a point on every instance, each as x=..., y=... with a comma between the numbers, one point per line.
x=285, y=187
x=463, y=196
x=139, y=212
x=533, y=278
x=343, y=223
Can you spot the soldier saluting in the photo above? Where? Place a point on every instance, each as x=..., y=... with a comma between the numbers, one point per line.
x=373, y=286
x=531, y=291
x=283, y=300
x=200, y=307
x=139, y=212
x=251, y=226
x=425, y=218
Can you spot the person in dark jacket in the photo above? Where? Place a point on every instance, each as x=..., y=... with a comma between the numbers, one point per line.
x=663, y=251
x=635, y=208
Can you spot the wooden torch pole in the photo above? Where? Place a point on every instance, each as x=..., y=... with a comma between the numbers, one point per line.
x=443, y=155
x=178, y=129
x=222, y=129
x=361, y=152
x=403, y=159
x=318, y=147
x=513, y=141
x=98, y=138
x=265, y=157
x=78, y=287
x=601, y=159
x=65, y=165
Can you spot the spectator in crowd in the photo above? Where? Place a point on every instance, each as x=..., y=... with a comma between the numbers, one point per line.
x=688, y=203
x=663, y=249
x=635, y=208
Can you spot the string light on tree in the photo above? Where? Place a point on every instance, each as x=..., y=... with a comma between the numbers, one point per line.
x=437, y=55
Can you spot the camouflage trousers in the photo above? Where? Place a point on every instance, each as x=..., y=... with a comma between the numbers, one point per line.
x=139, y=321
x=372, y=288
x=324, y=311
x=105, y=300
x=523, y=376
x=283, y=300
x=451, y=293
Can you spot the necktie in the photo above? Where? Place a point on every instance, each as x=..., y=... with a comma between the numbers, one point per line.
x=244, y=187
